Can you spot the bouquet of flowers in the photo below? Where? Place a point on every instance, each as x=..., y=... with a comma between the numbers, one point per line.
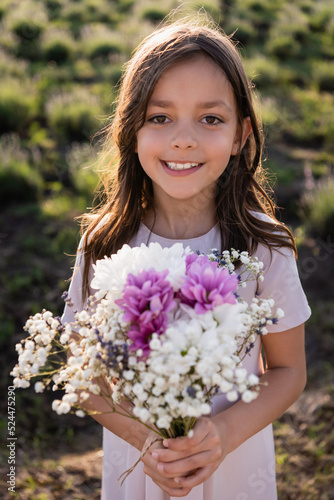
x=165, y=330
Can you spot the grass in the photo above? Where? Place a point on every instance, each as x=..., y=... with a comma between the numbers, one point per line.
x=18, y=104
x=20, y=180
x=58, y=45
x=73, y=115
x=317, y=208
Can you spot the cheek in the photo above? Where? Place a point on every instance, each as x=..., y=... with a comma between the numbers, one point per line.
x=148, y=145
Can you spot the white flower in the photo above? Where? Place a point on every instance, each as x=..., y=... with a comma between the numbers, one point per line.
x=128, y=374
x=110, y=273
x=279, y=313
x=55, y=404
x=155, y=343
x=35, y=368
x=63, y=408
x=144, y=415
x=29, y=345
x=64, y=338
x=80, y=413
x=225, y=386
x=19, y=348
x=248, y=396
x=205, y=409
x=174, y=379
x=163, y=422
x=240, y=374
x=68, y=329
x=232, y=396
x=21, y=383
x=47, y=315
x=83, y=316
x=95, y=389
x=69, y=388
x=70, y=398
x=156, y=391
x=138, y=389
x=244, y=259
x=39, y=387
x=253, y=379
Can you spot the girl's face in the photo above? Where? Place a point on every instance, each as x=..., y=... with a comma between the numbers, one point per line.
x=190, y=132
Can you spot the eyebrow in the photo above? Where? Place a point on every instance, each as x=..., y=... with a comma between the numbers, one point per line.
x=203, y=105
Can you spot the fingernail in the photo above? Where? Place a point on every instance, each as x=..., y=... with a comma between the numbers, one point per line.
x=177, y=480
x=165, y=443
x=155, y=455
x=160, y=468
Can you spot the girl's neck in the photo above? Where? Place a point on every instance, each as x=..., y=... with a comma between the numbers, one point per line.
x=179, y=223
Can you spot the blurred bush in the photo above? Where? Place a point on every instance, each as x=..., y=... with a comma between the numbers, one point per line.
x=73, y=115
x=58, y=45
x=323, y=75
x=89, y=11
x=81, y=161
x=53, y=8
x=11, y=66
x=153, y=12
x=267, y=73
x=311, y=117
x=101, y=11
x=18, y=104
x=317, y=209
x=20, y=181
x=99, y=42
x=26, y=20
x=125, y=6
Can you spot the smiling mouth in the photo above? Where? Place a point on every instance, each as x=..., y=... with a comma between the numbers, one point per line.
x=181, y=166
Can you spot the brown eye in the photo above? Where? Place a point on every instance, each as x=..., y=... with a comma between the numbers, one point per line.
x=158, y=119
x=212, y=120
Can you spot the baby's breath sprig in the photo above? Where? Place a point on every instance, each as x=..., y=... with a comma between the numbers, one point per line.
x=251, y=267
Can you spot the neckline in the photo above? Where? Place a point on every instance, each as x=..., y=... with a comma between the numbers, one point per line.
x=175, y=240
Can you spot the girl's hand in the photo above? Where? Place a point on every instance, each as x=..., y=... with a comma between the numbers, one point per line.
x=167, y=484
x=190, y=460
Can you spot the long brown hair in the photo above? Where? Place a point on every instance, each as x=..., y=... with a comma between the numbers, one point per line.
x=128, y=191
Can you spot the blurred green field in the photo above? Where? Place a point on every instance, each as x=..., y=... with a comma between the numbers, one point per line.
x=60, y=63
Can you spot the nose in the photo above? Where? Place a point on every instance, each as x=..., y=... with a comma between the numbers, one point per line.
x=184, y=137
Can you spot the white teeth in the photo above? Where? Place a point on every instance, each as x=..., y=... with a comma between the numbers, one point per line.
x=181, y=166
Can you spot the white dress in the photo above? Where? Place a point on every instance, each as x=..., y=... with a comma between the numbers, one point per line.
x=248, y=473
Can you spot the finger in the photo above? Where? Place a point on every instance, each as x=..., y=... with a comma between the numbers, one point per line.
x=163, y=455
x=172, y=492
x=185, y=466
x=202, y=428
x=170, y=483
x=150, y=467
x=211, y=443
x=197, y=477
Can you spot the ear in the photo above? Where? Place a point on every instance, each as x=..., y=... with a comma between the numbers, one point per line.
x=241, y=136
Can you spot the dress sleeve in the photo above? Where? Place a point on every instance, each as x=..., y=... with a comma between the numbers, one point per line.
x=281, y=283
x=75, y=288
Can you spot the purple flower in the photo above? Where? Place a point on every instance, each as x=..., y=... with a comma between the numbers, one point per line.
x=206, y=285
x=147, y=298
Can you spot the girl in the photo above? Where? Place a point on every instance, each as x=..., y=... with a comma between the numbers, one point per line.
x=189, y=157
